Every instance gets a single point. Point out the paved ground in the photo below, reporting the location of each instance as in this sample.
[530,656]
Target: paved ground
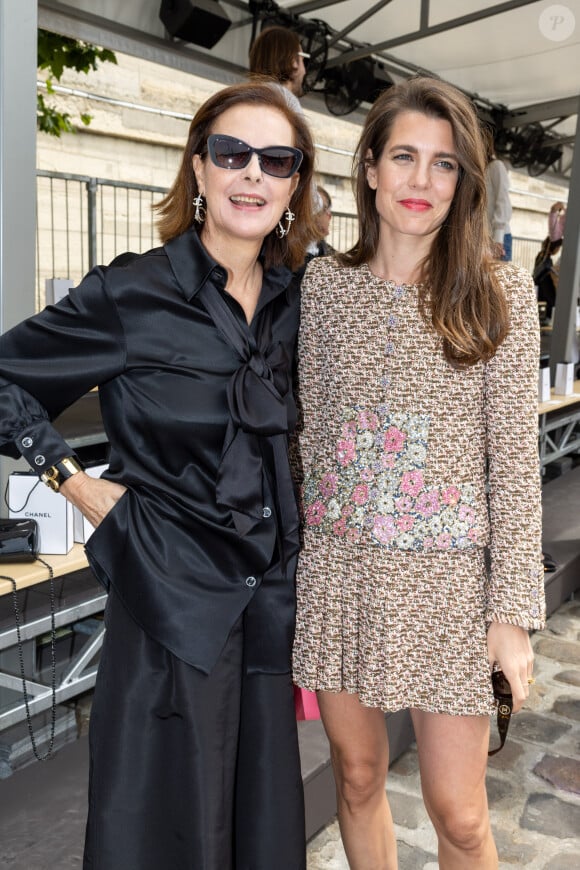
[534,785]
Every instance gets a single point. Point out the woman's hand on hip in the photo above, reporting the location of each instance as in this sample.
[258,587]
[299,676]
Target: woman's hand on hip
[509,647]
[94,497]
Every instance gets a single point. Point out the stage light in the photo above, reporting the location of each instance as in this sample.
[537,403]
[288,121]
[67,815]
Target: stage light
[202,22]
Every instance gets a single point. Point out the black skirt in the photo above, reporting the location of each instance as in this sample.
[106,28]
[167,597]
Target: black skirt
[190,771]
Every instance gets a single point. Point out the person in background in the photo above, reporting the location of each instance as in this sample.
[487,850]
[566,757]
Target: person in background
[277,54]
[547,262]
[322,248]
[417,361]
[499,207]
[193,742]
[323,215]
[557,222]
[546,274]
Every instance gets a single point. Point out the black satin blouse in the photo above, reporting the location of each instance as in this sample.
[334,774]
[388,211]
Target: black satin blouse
[197,422]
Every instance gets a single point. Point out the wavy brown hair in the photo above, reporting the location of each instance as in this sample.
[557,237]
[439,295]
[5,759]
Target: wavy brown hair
[176,209]
[460,294]
[273,53]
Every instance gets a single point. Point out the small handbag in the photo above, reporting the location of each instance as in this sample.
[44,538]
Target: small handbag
[504,703]
[18,540]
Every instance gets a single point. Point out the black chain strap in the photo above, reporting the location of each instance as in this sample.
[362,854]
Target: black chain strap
[20,509]
[11,580]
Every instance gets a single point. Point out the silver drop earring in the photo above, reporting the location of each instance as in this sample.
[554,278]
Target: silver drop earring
[199,215]
[281,231]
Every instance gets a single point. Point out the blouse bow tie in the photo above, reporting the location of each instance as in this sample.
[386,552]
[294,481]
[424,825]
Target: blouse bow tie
[260,404]
[257,392]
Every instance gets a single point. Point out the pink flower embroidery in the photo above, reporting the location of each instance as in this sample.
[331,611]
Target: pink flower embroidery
[428,543]
[388,460]
[405,523]
[367,474]
[349,430]
[345,451]
[451,495]
[368,420]
[315,513]
[473,535]
[466,513]
[427,503]
[328,484]
[347,511]
[384,529]
[394,440]
[339,528]
[403,504]
[360,494]
[412,482]
[444,541]
[353,535]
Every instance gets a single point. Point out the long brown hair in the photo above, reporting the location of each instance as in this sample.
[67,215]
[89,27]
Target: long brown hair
[177,209]
[460,293]
[274,52]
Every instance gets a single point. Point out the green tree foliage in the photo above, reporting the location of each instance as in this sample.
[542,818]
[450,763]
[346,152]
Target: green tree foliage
[55,54]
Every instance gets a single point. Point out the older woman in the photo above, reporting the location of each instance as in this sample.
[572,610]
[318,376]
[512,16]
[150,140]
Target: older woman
[418,370]
[194,758]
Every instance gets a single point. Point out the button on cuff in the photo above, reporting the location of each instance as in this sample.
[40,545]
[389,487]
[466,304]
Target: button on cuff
[41,445]
[266,513]
[251,582]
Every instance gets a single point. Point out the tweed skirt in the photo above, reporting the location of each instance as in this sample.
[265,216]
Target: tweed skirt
[399,628]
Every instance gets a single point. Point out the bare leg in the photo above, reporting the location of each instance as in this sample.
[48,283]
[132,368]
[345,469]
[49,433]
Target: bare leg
[360,759]
[453,761]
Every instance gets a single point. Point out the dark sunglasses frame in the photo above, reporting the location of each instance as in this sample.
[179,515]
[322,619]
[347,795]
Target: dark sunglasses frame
[503,695]
[271,151]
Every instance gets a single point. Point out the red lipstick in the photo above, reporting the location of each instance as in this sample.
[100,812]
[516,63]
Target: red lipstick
[415,204]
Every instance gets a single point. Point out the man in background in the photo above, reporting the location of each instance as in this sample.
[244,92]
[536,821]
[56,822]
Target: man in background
[499,207]
[277,54]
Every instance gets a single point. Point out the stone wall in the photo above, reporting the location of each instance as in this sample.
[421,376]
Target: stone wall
[130,143]
[139,127]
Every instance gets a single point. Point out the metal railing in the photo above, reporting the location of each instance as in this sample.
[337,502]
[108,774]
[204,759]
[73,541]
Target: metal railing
[83,221]
[524,251]
[343,230]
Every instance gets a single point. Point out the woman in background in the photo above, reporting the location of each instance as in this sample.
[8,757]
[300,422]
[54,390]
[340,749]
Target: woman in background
[547,262]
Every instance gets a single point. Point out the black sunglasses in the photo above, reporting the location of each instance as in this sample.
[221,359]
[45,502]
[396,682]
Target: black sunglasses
[503,696]
[281,161]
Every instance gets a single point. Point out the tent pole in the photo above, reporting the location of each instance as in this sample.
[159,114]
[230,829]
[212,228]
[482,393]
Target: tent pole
[564,343]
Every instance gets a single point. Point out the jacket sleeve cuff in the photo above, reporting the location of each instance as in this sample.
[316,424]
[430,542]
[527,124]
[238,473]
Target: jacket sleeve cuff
[533,619]
[41,445]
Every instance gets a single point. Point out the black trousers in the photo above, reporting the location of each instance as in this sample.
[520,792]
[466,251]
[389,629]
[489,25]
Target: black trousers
[189,771]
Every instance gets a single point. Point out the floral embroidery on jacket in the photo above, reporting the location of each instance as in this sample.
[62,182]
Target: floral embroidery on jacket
[377,487]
